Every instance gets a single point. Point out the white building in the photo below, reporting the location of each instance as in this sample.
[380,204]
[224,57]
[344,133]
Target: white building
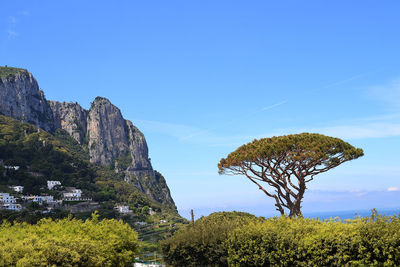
[51,184]
[151,212]
[123,209]
[73,194]
[17,188]
[12,206]
[15,168]
[149,264]
[41,199]
[6,198]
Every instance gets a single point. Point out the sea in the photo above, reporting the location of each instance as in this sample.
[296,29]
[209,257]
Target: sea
[350,214]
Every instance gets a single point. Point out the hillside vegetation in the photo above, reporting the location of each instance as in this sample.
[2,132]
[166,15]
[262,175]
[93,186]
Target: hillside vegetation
[204,243]
[68,242]
[223,239]
[42,157]
[6,71]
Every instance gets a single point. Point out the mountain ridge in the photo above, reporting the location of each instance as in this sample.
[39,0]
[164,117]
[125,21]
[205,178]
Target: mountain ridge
[109,139]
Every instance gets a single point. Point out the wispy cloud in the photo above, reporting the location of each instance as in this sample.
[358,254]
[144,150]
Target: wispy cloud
[389,93]
[363,131]
[171,129]
[12,20]
[245,116]
[24,13]
[378,126]
[184,133]
[347,80]
[12,34]
[393,189]
[12,24]
[181,132]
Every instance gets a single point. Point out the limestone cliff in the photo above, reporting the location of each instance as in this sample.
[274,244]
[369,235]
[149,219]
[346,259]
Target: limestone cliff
[21,98]
[71,117]
[110,139]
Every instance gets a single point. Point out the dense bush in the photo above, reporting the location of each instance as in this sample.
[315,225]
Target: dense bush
[203,244]
[68,242]
[371,241]
[240,239]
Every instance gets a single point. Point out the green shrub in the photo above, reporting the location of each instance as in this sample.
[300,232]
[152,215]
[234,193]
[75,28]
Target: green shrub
[203,244]
[370,241]
[68,242]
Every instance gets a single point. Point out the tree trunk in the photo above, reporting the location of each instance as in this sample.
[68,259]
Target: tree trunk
[295,208]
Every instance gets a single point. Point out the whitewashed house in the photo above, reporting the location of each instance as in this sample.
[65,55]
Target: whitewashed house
[72,194]
[123,209]
[51,184]
[15,168]
[6,198]
[41,199]
[148,264]
[17,188]
[12,206]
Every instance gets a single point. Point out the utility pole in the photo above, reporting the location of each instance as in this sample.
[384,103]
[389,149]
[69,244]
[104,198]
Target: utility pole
[192,214]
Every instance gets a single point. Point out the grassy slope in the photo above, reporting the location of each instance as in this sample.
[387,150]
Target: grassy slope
[6,71]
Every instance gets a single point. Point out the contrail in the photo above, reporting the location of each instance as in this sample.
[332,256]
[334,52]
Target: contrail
[355,77]
[233,121]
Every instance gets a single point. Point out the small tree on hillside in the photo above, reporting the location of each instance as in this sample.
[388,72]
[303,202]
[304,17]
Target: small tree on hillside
[287,163]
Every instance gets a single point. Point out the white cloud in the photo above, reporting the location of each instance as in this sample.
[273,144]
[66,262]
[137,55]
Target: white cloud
[372,130]
[12,34]
[23,13]
[12,20]
[393,189]
[389,93]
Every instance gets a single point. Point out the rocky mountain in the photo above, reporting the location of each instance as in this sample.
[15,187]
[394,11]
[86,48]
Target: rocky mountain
[71,117]
[21,99]
[109,139]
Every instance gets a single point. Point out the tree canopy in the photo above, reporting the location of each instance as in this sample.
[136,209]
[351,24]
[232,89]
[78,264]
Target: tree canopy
[68,242]
[287,163]
[203,244]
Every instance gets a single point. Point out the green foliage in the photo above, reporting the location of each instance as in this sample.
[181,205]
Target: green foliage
[304,148]
[371,241]
[43,157]
[31,217]
[283,163]
[36,151]
[60,158]
[124,161]
[68,242]
[7,71]
[71,144]
[203,244]
[145,210]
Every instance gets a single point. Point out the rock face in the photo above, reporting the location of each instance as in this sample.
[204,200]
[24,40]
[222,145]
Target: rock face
[151,183]
[111,140]
[112,137]
[21,99]
[71,117]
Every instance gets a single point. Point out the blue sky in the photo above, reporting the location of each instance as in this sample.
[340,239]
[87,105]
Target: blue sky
[200,78]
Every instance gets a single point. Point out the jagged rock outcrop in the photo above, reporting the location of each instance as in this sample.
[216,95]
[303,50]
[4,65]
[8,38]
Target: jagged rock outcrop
[111,136]
[71,117]
[114,141]
[21,99]
[152,183]
[110,139]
